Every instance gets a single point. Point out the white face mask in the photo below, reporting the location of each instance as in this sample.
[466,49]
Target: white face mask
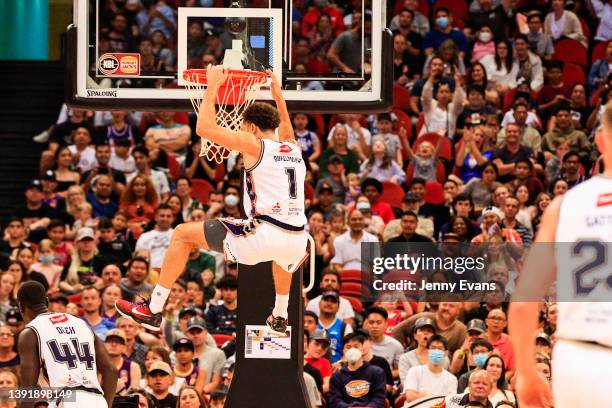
[353,355]
[231,200]
[485,36]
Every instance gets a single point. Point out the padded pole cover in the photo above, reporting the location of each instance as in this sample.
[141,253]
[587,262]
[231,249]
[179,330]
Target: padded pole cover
[266,382]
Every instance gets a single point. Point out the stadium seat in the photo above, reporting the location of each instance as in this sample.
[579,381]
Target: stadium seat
[401,98]
[568,50]
[404,120]
[350,275]
[586,31]
[599,51]
[174,167]
[353,289]
[309,191]
[355,303]
[219,172]
[200,190]
[509,98]
[420,122]
[573,74]
[432,137]
[221,339]
[434,192]
[392,194]
[400,401]
[596,95]
[459,9]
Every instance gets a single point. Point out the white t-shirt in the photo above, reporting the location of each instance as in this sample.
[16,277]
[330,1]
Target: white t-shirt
[389,349]
[348,251]
[87,160]
[421,379]
[126,166]
[156,242]
[345,310]
[409,360]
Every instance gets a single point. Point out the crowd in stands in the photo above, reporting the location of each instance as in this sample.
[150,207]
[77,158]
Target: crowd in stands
[496,112]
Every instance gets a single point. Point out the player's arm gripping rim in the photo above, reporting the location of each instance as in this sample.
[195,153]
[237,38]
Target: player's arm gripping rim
[107,370]
[285,129]
[539,273]
[207,126]
[30,362]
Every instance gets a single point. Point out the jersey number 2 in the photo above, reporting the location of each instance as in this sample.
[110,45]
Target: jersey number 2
[600,250]
[66,353]
[290,172]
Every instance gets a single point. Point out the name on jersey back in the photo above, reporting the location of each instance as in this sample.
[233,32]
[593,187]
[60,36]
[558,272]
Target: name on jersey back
[598,220]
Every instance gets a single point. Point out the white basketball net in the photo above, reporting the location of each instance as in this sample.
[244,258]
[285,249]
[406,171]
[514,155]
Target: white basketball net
[237,87]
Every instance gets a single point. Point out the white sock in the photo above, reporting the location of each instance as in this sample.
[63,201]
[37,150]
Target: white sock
[158,298]
[280,306]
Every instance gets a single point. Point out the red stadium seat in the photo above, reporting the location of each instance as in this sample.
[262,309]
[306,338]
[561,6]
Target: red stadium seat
[459,9]
[432,137]
[219,172]
[393,194]
[221,339]
[350,275]
[400,401]
[355,303]
[420,122]
[434,192]
[309,191]
[401,98]
[568,50]
[174,167]
[573,74]
[585,29]
[404,120]
[353,289]
[596,95]
[509,98]
[599,51]
[200,190]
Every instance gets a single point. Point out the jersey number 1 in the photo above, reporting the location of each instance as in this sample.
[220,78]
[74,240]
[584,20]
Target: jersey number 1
[65,354]
[290,172]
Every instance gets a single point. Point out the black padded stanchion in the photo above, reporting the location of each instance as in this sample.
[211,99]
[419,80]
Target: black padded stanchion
[267,382]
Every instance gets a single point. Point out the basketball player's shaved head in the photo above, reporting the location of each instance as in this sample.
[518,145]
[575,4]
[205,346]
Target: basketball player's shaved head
[32,295]
[262,115]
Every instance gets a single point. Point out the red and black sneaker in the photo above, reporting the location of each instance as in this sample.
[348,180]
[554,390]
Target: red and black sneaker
[140,313]
[277,325]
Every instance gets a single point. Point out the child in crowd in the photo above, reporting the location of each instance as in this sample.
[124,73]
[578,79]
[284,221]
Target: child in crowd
[121,159]
[392,141]
[425,160]
[84,217]
[45,265]
[354,188]
[83,155]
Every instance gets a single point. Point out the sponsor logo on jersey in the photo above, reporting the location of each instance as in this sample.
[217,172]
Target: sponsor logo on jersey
[287,159]
[604,200]
[284,148]
[357,388]
[277,208]
[58,319]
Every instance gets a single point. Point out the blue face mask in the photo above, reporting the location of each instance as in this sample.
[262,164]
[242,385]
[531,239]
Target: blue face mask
[442,22]
[436,356]
[46,259]
[480,359]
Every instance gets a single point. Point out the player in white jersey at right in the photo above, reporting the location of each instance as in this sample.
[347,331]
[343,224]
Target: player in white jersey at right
[273,201]
[60,351]
[575,232]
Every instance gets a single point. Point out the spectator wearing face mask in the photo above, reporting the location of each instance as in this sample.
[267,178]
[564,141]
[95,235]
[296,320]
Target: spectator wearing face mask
[358,383]
[480,350]
[231,202]
[431,378]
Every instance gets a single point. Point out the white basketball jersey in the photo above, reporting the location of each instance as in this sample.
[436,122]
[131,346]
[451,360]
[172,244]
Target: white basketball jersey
[66,349]
[584,260]
[274,186]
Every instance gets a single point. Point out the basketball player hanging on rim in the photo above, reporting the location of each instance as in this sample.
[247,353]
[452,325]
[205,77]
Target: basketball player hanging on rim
[274,201]
[65,351]
[573,251]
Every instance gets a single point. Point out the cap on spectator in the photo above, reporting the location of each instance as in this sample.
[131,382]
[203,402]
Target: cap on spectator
[544,337]
[183,342]
[335,158]
[476,325]
[493,210]
[35,184]
[196,311]
[320,335]
[85,233]
[49,175]
[424,322]
[116,333]
[410,196]
[160,366]
[59,298]
[326,187]
[330,294]
[13,316]
[196,322]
